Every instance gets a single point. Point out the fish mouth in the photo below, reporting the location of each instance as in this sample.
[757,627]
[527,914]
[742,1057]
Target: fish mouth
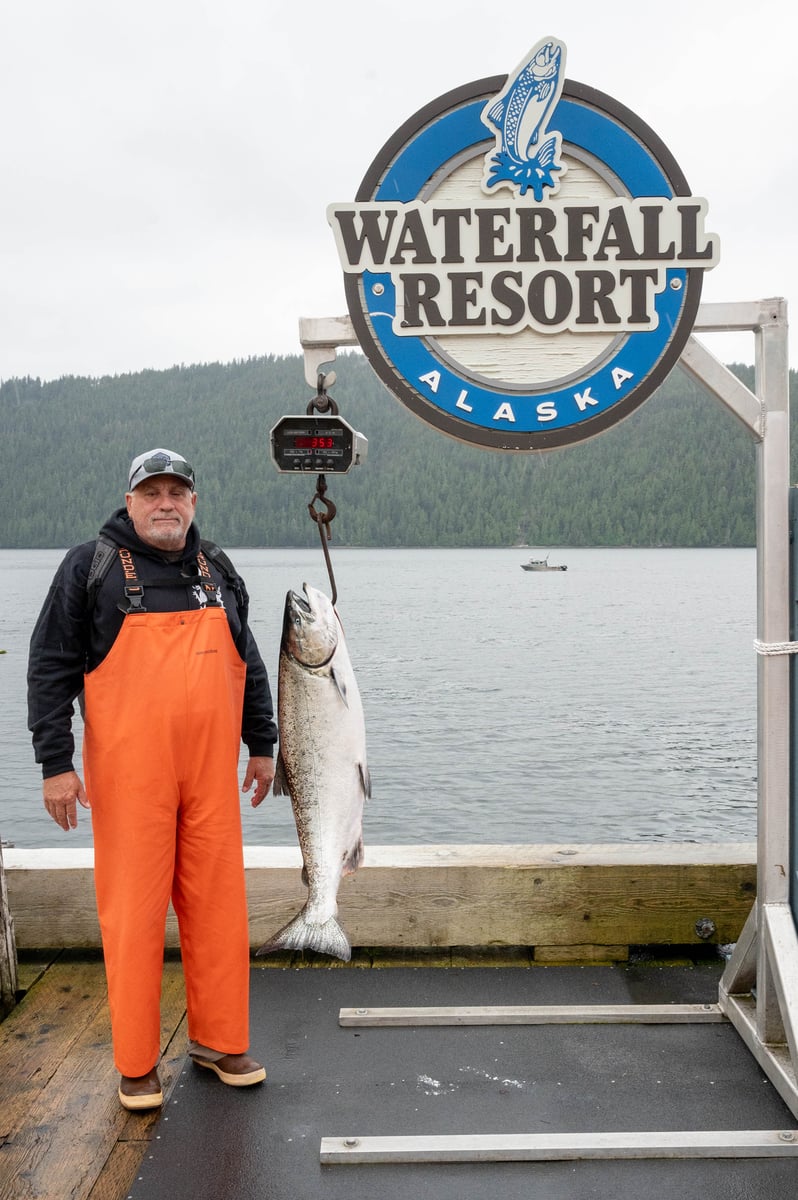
[547,54]
[546,62]
[297,607]
[300,599]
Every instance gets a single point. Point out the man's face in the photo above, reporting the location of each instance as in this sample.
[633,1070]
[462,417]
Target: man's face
[162,509]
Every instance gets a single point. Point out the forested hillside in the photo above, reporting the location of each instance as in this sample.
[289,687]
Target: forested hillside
[680,471]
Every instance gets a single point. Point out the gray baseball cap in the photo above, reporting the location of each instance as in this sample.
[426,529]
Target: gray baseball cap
[159,462]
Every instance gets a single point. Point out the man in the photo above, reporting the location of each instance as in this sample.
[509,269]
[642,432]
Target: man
[172,682]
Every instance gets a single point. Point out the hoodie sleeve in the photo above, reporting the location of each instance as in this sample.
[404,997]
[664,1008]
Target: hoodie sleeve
[258,728]
[56,663]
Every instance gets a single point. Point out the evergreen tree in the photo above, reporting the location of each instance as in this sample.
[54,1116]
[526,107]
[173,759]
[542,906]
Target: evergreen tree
[678,472]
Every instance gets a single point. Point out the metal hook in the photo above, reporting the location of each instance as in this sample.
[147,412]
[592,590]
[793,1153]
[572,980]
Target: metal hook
[323,520]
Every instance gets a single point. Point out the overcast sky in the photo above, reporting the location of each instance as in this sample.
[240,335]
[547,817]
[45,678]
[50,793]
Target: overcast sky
[166,164]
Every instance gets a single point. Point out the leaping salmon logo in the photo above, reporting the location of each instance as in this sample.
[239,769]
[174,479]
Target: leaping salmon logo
[526,154]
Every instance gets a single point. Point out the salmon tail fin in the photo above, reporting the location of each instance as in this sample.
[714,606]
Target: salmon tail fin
[302,934]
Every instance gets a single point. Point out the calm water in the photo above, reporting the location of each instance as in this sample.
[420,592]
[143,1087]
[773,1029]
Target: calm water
[615,701]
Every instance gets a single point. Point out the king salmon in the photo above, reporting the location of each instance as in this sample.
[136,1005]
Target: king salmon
[321,765]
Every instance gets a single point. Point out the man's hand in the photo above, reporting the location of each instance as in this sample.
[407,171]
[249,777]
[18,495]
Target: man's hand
[260,771]
[61,794]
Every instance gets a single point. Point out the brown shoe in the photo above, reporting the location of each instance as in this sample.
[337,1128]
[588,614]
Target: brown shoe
[237,1070]
[141,1091]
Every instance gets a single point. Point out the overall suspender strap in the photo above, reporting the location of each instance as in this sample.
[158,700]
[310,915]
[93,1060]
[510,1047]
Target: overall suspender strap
[206,581]
[133,589]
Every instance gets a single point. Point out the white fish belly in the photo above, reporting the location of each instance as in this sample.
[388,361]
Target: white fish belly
[323,745]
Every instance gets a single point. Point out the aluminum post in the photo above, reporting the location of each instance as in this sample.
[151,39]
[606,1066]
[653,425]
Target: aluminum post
[773,627]
[794,705]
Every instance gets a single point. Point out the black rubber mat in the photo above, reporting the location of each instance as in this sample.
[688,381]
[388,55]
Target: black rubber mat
[222,1143]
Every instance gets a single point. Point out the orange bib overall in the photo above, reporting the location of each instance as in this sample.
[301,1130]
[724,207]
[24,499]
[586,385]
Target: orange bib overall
[161,747]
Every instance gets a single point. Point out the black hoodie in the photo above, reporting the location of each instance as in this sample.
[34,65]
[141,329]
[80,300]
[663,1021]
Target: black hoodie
[69,640]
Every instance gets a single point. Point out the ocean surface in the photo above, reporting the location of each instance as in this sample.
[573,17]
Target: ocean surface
[614,701]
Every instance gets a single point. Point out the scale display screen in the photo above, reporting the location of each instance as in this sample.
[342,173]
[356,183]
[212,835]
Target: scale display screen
[316,443]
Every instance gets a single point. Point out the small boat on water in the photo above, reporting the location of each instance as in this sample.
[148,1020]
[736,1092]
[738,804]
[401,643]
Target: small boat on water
[542,564]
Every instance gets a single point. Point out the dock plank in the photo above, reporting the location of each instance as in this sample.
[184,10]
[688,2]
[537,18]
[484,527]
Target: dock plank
[63,1127]
[32,965]
[40,1034]
[566,897]
[119,1172]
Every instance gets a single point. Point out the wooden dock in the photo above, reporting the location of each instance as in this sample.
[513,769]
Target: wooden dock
[63,1133]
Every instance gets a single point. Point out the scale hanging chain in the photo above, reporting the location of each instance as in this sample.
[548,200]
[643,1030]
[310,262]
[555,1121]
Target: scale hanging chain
[323,403]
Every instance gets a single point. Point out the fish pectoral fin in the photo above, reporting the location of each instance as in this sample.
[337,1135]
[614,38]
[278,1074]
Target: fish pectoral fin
[365,779]
[547,152]
[341,685]
[354,859]
[280,784]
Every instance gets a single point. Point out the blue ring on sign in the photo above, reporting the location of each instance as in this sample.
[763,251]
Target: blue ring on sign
[413,358]
[452,134]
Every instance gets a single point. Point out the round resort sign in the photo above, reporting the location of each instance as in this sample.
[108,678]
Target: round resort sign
[523,261]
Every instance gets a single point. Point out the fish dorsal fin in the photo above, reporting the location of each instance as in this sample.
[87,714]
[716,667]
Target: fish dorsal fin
[497,112]
[341,685]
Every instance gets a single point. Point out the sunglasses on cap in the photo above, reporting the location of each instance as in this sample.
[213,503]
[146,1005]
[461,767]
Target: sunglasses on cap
[163,464]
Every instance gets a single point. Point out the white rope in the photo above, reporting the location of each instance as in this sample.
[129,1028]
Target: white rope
[776,647]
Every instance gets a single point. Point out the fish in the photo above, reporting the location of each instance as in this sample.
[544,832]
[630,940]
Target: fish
[518,115]
[519,111]
[321,765]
